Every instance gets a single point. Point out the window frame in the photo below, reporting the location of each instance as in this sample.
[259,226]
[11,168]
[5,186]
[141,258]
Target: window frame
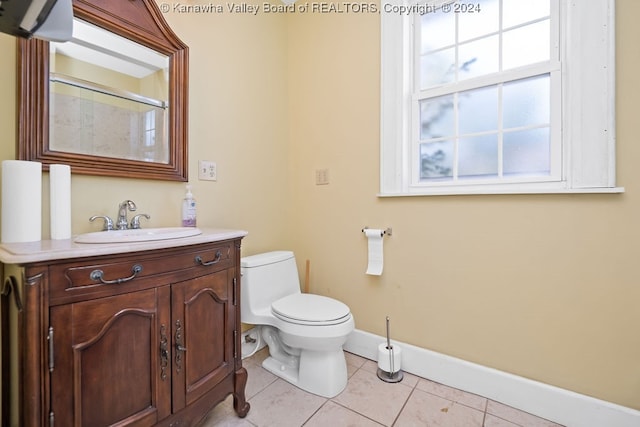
[586,101]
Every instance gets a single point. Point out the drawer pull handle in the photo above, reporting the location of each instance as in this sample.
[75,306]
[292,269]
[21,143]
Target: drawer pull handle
[97,275]
[205,263]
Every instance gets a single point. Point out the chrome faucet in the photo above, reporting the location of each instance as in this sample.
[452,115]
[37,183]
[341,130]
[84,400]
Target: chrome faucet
[122,223]
[135,221]
[108,222]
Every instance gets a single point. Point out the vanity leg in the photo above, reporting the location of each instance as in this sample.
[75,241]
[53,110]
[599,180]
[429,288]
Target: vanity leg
[240,403]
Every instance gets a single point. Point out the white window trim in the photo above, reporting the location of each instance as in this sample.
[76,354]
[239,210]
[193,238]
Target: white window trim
[588,107]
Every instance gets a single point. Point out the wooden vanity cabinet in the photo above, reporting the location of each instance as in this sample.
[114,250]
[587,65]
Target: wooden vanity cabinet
[152,340]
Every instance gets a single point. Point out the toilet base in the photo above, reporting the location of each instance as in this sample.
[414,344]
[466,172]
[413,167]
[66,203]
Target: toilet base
[287,372]
[321,373]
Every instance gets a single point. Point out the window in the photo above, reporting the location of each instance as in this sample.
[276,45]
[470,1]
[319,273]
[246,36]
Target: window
[496,96]
[153,129]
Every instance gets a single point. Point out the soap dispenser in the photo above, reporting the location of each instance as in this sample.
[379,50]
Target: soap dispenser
[189,209]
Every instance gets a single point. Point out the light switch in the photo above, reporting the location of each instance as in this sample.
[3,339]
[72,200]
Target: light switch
[322,176]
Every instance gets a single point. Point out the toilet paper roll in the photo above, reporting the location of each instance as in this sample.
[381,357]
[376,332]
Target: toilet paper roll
[386,357]
[376,260]
[21,201]
[60,201]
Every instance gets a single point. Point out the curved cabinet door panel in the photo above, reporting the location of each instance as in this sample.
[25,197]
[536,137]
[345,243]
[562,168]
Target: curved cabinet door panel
[203,324]
[108,355]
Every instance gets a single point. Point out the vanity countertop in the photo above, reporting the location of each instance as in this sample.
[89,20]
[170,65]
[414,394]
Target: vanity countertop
[48,250]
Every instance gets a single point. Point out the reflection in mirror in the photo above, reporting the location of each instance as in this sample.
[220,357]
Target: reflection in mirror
[108,97]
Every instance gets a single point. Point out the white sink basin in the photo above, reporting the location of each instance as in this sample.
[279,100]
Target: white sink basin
[137,235]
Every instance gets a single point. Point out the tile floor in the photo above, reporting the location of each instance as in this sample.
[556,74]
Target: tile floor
[366,401]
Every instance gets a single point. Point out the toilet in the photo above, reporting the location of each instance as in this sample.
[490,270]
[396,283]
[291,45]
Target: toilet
[304,332]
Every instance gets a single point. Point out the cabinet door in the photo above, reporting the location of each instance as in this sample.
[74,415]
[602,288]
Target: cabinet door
[108,364]
[203,335]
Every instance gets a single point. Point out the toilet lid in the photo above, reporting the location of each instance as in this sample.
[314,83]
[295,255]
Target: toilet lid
[309,309]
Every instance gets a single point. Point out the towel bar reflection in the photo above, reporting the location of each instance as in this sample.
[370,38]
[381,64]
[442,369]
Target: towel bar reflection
[388,231]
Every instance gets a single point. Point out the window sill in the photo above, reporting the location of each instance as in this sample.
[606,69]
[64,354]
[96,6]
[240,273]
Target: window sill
[463,191]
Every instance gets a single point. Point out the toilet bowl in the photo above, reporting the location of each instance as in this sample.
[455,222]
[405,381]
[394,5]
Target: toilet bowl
[304,332]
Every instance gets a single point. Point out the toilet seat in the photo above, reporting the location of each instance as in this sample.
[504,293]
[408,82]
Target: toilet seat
[310,309]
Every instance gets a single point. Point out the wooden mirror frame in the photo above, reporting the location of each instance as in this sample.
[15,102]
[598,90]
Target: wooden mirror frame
[140,21]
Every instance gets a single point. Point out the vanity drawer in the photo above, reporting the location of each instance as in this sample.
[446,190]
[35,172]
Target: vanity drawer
[104,276]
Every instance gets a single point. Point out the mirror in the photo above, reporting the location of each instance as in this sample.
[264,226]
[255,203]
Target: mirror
[108,96]
[113,101]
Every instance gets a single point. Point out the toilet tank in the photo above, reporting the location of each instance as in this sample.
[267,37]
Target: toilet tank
[266,278]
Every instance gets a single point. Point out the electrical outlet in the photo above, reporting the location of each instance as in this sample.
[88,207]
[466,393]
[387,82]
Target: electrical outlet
[322,176]
[207,170]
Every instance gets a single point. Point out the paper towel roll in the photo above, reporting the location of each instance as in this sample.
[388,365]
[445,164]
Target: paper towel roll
[60,201]
[21,201]
[374,236]
[385,359]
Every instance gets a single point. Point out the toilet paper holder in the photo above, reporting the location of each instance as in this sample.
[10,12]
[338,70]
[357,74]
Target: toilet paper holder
[388,231]
[391,372]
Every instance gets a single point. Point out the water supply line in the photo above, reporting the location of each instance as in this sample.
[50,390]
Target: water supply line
[254,343]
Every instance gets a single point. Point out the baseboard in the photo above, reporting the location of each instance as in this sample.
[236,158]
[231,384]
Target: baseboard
[553,403]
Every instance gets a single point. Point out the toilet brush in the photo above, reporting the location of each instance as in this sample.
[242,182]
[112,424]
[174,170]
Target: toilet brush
[394,374]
